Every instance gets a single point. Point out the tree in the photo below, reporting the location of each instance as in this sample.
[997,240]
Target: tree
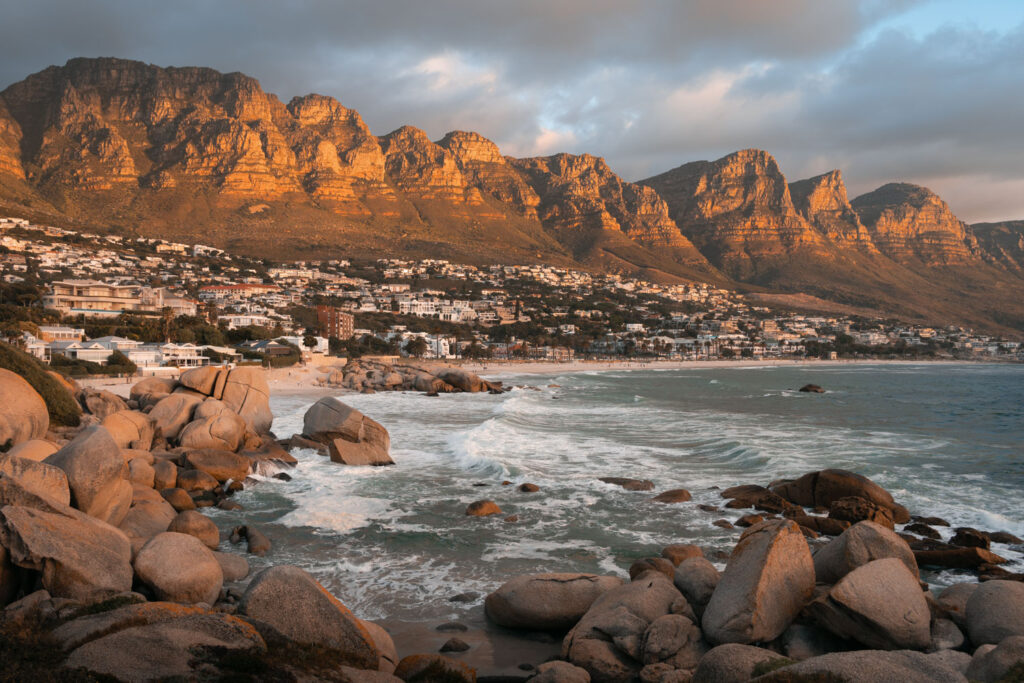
[417,346]
[309,341]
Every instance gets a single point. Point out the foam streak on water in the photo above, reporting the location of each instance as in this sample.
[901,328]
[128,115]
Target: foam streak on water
[394,543]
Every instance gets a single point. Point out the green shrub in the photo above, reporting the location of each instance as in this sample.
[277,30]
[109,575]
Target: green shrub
[63,408]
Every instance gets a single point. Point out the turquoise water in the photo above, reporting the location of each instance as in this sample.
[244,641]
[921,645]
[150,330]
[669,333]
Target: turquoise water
[944,439]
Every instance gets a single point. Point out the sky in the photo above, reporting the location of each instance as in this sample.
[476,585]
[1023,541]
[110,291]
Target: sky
[923,91]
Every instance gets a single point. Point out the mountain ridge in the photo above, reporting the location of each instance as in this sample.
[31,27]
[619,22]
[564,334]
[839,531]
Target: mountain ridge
[189,153]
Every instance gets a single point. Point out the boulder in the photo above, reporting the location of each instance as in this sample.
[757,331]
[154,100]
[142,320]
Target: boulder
[234,567]
[130,429]
[433,669]
[970,538]
[38,478]
[164,650]
[811,389]
[96,474]
[34,449]
[195,481]
[993,665]
[179,568]
[202,380]
[352,437]
[247,393]
[463,380]
[292,602]
[385,646]
[173,412]
[862,543]
[80,557]
[854,509]
[101,403]
[803,641]
[954,660]
[945,636]
[879,604]
[677,553]
[144,521]
[178,499]
[223,431]
[674,640]
[23,413]
[658,565]
[559,672]
[995,611]
[629,484]
[482,508]
[152,386]
[767,581]
[696,579]
[165,474]
[142,473]
[608,640]
[673,496]
[957,558]
[860,666]
[732,663]
[820,489]
[546,602]
[196,524]
[953,599]
[220,464]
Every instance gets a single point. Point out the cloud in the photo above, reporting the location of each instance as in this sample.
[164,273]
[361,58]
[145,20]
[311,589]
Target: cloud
[648,85]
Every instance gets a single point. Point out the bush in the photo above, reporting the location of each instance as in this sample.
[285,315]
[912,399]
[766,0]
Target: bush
[63,408]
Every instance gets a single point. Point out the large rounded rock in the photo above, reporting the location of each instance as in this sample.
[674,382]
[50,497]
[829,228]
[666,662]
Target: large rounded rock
[235,567]
[954,599]
[862,666]
[101,403]
[560,672]
[79,557]
[220,464]
[822,488]
[768,580]
[732,663]
[194,480]
[203,380]
[178,499]
[41,479]
[608,640]
[862,543]
[696,579]
[34,449]
[196,524]
[388,659]
[247,393]
[463,380]
[23,414]
[145,520]
[546,602]
[353,438]
[96,474]
[179,568]
[879,604]
[433,669]
[130,429]
[993,665]
[291,601]
[995,611]
[165,474]
[222,431]
[173,412]
[673,640]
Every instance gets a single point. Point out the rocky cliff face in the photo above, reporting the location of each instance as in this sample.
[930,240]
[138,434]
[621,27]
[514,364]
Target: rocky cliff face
[1001,244]
[10,146]
[911,224]
[822,201]
[738,211]
[484,167]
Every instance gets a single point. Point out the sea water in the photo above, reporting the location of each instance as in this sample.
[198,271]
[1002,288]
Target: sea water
[394,542]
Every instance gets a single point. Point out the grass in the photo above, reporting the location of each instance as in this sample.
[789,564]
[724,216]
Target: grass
[61,405]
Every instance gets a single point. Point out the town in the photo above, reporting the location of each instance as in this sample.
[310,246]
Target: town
[89,303]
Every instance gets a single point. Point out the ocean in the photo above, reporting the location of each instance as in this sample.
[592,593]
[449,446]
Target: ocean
[393,543]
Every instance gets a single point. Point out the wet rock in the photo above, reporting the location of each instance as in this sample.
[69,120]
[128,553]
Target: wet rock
[749,520]
[220,464]
[995,611]
[454,645]
[768,580]
[296,605]
[629,484]
[433,668]
[858,545]
[467,597]
[957,558]
[823,487]
[652,564]
[529,488]
[930,521]
[676,554]
[483,508]
[854,509]
[673,496]
[811,389]
[193,481]
[351,437]
[1004,537]
[879,604]
[922,530]
[178,499]
[198,525]
[970,538]
[546,602]
[449,626]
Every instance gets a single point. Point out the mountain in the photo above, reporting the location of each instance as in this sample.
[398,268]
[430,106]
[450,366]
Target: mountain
[192,154]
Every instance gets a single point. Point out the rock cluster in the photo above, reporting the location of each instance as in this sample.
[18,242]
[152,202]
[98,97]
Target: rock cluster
[368,376]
